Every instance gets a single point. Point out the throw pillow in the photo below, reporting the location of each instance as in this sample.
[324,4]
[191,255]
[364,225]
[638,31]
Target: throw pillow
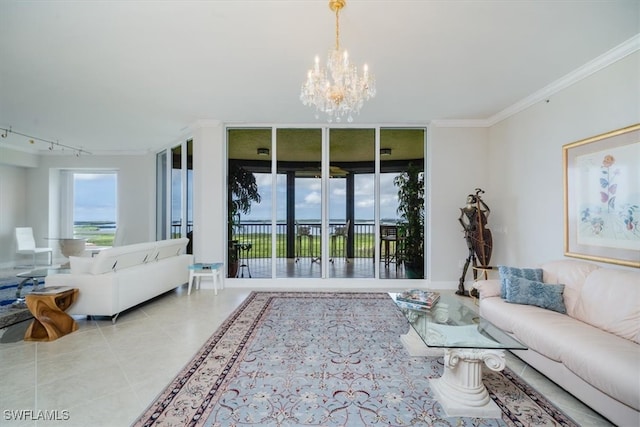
[526,273]
[530,292]
[487,288]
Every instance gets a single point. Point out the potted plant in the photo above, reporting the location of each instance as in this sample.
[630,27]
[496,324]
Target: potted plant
[243,190]
[410,185]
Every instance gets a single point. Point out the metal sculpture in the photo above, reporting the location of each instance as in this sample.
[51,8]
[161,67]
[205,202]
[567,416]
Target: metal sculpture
[473,218]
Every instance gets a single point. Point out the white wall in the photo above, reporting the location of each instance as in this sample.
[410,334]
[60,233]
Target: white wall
[210,194]
[525,165]
[17,158]
[458,162]
[13,210]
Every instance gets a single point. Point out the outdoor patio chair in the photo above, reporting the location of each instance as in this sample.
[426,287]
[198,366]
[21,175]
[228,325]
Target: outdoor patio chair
[340,233]
[303,232]
[389,237]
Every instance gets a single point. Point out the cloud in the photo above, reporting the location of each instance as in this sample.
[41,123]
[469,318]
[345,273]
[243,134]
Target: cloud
[313,198]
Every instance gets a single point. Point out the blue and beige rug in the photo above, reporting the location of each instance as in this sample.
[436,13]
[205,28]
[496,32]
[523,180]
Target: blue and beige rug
[8,314]
[324,359]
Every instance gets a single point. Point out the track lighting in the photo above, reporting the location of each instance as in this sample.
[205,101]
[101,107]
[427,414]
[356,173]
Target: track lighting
[52,144]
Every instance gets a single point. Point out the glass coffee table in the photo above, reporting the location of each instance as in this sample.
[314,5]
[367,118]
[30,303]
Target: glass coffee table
[468,342]
[33,276]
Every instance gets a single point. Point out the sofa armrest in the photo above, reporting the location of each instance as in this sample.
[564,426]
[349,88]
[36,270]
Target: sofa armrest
[488,288]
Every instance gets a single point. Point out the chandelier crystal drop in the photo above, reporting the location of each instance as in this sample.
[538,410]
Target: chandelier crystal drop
[337,90]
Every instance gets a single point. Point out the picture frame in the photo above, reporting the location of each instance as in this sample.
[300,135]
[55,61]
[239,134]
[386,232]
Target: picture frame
[602,197]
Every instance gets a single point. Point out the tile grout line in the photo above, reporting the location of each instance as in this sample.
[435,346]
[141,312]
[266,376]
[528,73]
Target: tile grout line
[35,379]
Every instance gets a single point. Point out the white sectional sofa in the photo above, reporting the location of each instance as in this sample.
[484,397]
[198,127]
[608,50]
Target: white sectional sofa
[592,351]
[121,277]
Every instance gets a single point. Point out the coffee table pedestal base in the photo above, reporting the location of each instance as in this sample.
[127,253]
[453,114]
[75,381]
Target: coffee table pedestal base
[460,390]
[416,347]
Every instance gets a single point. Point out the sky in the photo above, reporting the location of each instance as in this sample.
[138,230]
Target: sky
[94,197]
[308,198]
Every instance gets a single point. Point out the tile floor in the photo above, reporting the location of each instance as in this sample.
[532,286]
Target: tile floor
[106,374]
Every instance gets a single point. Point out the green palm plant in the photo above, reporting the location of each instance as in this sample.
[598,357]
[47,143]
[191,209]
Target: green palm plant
[242,191]
[410,185]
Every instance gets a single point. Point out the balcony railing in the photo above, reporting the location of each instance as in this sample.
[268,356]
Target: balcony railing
[259,234]
[177,225]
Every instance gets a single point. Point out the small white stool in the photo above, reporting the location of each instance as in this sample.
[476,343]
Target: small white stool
[199,270]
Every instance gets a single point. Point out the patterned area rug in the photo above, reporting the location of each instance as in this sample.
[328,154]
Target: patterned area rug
[8,314]
[324,359]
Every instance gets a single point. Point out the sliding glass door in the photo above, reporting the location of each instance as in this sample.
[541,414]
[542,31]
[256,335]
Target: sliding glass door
[401,228]
[319,202]
[351,202]
[249,207]
[299,163]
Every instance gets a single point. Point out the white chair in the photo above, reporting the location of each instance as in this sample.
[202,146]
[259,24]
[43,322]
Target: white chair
[27,245]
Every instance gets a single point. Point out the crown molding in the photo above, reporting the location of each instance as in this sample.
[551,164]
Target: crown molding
[610,57]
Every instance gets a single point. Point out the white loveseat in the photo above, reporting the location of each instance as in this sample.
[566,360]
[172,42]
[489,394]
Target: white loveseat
[121,277]
[593,351]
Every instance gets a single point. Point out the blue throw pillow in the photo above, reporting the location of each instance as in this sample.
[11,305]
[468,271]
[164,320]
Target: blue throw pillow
[526,273]
[530,292]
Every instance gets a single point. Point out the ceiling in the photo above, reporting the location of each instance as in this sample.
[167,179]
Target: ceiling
[114,76]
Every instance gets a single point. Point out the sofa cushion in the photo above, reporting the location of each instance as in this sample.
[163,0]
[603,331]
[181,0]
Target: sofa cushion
[528,323]
[610,301]
[171,247]
[531,292]
[526,273]
[571,274]
[609,363]
[504,315]
[120,257]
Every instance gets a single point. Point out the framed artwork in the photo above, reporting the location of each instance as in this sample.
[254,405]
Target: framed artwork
[602,197]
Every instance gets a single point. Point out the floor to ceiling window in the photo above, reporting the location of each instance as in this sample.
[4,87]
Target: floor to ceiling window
[402,208]
[323,202]
[249,205]
[351,202]
[89,206]
[174,192]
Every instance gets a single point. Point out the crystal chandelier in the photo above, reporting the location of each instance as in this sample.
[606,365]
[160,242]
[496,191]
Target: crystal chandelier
[337,90]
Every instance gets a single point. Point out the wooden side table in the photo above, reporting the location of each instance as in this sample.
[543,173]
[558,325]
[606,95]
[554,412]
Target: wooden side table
[48,306]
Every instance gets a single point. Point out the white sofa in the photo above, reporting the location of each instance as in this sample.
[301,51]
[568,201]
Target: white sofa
[121,277]
[593,351]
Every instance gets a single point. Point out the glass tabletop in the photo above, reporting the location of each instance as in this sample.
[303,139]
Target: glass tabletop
[42,272]
[450,323]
